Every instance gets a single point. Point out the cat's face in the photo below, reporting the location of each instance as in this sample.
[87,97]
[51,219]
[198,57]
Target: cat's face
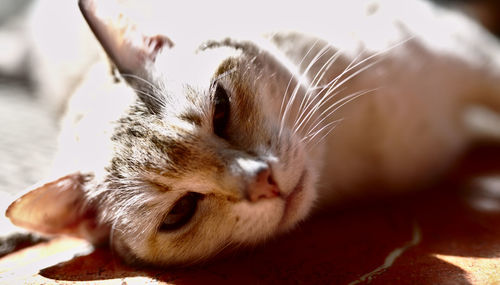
[209,169]
[206,157]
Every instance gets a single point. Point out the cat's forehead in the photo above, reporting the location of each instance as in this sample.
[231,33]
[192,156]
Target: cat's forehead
[195,67]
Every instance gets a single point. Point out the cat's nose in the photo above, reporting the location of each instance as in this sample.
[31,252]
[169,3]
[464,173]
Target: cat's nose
[263,186]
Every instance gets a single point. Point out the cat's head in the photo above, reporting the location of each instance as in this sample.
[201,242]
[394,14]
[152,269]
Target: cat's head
[203,160]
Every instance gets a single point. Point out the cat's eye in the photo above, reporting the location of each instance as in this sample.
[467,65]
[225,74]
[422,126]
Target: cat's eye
[221,110]
[181,213]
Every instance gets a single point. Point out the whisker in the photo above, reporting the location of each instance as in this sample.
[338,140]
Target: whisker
[347,79]
[282,115]
[336,106]
[313,86]
[325,99]
[306,71]
[150,84]
[157,99]
[325,68]
[303,78]
[312,135]
[349,67]
[323,137]
[313,110]
[223,75]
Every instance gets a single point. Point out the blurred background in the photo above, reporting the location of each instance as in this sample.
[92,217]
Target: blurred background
[35,78]
[27,129]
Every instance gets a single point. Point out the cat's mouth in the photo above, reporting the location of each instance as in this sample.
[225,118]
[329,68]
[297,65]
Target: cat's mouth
[291,201]
[298,188]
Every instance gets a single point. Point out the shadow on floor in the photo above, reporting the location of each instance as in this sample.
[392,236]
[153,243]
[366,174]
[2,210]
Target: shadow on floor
[341,246]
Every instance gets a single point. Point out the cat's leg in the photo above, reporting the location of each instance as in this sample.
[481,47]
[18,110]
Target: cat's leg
[482,123]
[481,78]
[481,120]
[481,112]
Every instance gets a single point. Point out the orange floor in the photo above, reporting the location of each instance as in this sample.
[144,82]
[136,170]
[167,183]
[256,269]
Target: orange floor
[432,237]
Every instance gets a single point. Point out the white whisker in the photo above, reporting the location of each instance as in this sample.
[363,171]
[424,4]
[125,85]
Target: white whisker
[349,67]
[332,87]
[313,110]
[323,137]
[314,85]
[157,99]
[306,71]
[133,76]
[325,99]
[324,69]
[285,95]
[327,113]
[312,135]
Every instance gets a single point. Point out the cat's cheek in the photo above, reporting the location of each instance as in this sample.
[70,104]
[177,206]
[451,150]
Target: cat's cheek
[298,206]
[205,236]
[258,221]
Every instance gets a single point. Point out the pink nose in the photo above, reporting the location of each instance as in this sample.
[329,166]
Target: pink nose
[263,186]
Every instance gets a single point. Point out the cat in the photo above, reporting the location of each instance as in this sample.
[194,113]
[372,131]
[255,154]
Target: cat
[184,148]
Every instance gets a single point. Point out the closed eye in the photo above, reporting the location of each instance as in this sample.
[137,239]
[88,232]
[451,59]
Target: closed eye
[181,213]
[222,108]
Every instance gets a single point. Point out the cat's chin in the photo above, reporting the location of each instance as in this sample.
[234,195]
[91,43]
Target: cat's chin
[297,203]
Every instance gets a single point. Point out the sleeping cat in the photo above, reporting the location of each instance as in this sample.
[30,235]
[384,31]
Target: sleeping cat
[185,148]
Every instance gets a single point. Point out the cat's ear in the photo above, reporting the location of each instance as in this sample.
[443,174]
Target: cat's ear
[132,51]
[58,207]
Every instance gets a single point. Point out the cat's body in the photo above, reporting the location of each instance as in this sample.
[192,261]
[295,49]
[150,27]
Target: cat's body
[403,139]
[201,147]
